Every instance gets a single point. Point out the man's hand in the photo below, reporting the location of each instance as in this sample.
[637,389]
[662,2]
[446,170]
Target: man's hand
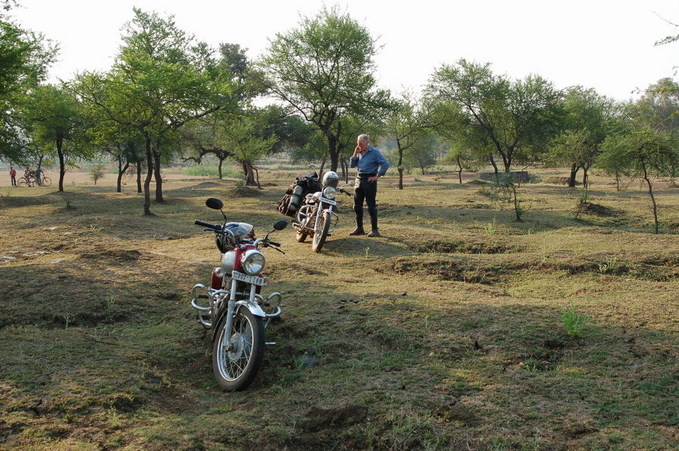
[373,178]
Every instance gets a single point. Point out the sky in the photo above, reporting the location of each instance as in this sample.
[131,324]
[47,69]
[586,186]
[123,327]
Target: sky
[608,45]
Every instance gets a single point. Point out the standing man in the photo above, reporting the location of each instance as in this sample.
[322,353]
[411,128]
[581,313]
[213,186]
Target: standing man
[13,175]
[371,166]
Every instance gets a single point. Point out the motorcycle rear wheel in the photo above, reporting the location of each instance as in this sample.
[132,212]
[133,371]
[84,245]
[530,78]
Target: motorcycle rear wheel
[237,367]
[322,232]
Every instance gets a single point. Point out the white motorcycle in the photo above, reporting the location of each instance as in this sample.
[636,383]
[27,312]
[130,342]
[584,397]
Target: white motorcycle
[317,217]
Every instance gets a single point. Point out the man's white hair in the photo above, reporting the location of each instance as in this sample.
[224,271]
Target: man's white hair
[364,137]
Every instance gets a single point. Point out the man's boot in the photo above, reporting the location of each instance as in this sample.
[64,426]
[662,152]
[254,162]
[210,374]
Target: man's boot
[373,222]
[359,228]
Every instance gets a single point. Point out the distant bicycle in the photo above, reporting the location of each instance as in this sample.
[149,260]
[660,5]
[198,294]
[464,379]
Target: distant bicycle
[30,181]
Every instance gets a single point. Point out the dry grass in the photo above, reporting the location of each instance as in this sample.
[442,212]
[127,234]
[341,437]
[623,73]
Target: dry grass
[446,333]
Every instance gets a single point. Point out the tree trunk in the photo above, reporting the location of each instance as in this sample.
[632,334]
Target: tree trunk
[158,177]
[517,205]
[332,151]
[147,181]
[62,163]
[585,177]
[345,170]
[459,165]
[654,204]
[497,171]
[249,174]
[571,179]
[219,168]
[399,165]
[139,189]
[121,172]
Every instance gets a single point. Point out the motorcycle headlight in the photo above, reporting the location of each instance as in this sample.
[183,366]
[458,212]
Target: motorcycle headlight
[329,192]
[252,262]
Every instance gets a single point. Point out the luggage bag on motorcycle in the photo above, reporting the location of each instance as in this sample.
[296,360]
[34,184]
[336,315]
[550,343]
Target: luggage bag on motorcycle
[296,192]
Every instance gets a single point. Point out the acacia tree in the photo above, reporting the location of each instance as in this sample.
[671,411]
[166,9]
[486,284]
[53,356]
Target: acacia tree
[661,104]
[162,80]
[239,136]
[516,117]
[324,71]
[587,120]
[201,138]
[24,60]
[642,148]
[56,120]
[407,124]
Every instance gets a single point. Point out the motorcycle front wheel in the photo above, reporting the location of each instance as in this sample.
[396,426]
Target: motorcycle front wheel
[321,232]
[236,366]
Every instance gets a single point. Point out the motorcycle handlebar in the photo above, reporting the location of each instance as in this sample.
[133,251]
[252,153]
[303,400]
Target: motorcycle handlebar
[216,227]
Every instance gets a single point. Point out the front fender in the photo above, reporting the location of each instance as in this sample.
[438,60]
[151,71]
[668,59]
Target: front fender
[254,308]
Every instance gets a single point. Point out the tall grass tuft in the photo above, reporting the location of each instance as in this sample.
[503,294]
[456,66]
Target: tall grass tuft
[574,321]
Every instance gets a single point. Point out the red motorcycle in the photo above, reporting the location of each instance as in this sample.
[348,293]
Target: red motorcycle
[233,306]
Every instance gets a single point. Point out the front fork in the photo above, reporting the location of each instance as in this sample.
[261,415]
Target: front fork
[231,309]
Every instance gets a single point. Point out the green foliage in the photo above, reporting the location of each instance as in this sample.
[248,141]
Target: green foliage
[324,70]
[582,204]
[587,120]
[24,60]
[644,146]
[97,170]
[506,190]
[515,119]
[491,228]
[162,79]
[574,321]
[57,126]
[210,170]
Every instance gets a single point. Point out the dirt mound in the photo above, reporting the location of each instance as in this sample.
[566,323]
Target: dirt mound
[596,209]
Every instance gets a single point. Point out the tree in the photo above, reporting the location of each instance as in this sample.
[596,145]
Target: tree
[516,117]
[201,139]
[642,148]
[56,120]
[407,124]
[162,80]
[587,120]
[468,145]
[24,60]
[324,71]
[240,136]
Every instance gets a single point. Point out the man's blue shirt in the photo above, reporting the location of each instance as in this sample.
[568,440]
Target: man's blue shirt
[371,162]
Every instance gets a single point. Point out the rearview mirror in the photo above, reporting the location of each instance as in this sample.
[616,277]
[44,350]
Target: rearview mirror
[280,225]
[214,203]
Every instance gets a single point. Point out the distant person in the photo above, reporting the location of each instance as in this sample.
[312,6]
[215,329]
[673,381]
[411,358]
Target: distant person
[13,175]
[38,176]
[371,166]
